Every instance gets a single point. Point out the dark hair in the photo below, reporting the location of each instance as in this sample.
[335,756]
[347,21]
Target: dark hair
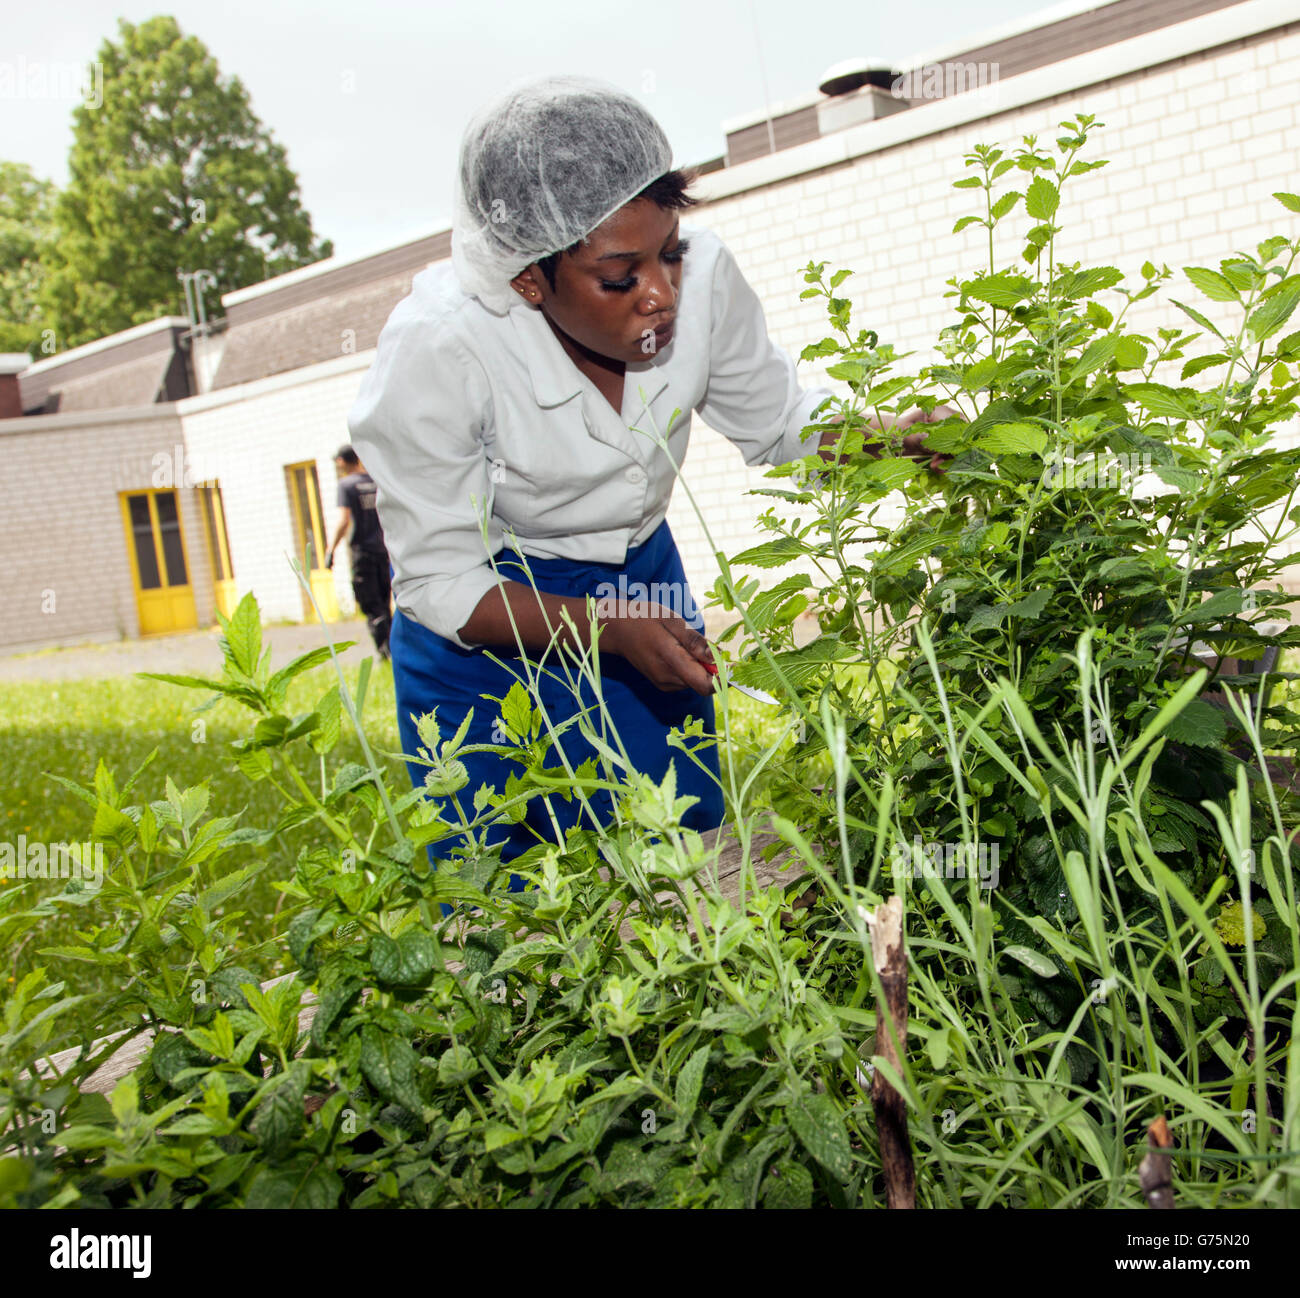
[347,455]
[668,192]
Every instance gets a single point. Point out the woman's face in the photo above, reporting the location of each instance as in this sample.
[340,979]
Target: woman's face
[616,293]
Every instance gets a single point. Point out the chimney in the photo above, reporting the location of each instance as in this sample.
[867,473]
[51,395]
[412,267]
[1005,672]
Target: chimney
[857,90]
[11,401]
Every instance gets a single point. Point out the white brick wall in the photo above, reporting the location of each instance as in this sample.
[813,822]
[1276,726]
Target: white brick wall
[65,575]
[1196,147]
[251,441]
[60,522]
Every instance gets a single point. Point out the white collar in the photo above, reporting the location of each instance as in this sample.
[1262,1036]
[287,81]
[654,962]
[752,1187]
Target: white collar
[555,378]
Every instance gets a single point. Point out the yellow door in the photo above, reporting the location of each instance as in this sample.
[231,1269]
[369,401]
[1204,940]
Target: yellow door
[163,595]
[224,594]
[309,535]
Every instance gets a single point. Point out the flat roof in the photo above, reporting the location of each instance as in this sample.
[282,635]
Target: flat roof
[328,265]
[1233,22]
[1004,31]
[104,344]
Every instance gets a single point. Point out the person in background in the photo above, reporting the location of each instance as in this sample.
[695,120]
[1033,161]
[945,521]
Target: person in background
[372,582]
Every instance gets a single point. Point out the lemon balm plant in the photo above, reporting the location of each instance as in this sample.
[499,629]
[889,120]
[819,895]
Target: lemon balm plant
[1101,479]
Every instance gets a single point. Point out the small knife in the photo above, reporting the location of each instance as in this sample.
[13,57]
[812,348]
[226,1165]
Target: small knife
[761,695]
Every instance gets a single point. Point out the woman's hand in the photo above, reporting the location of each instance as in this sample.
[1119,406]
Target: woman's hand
[656,642]
[914,443]
[914,446]
[668,653]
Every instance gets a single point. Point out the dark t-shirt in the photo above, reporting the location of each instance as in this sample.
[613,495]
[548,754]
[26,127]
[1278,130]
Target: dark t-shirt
[357,493]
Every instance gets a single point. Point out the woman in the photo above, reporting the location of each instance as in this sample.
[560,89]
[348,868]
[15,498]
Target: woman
[517,395]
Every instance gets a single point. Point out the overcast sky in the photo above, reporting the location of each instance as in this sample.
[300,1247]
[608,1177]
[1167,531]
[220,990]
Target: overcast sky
[369,98]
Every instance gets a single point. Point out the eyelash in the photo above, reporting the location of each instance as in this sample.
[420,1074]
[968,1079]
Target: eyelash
[626,285]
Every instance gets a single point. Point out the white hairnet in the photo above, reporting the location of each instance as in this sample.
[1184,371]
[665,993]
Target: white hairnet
[540,168]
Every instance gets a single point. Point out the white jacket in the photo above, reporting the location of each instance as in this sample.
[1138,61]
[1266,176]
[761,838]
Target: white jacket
[466,415]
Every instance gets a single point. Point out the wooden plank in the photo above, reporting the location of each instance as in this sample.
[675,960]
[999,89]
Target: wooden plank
[780,872]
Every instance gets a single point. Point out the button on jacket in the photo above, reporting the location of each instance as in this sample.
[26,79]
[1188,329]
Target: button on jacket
[480,431]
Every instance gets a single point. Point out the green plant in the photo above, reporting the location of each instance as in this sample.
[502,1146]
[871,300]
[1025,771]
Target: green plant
[69,725]
[538,1055]
[1082,493]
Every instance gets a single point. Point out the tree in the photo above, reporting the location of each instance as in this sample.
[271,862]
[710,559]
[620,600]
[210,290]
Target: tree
[173,171]
[26,221]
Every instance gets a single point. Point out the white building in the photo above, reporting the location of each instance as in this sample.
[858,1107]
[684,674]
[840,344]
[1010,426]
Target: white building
[105,530]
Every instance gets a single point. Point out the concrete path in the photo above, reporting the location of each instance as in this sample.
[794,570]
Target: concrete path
[191,653]
[195,653]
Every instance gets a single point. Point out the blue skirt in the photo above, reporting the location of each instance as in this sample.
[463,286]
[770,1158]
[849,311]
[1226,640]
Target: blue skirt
[431,672]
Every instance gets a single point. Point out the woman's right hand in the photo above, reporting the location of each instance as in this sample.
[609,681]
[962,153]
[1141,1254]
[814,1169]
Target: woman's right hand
[668,653]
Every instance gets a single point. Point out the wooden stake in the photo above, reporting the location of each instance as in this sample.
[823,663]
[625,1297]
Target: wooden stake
[887,954]
[1155,1172]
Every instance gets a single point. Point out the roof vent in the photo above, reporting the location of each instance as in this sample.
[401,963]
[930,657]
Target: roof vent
[857,91]
[853,74]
